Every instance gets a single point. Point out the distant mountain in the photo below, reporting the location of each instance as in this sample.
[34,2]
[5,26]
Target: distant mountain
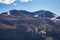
[19,12]
[46,14]
[24,25]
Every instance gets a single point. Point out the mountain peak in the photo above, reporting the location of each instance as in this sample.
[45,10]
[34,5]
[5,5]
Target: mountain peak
[18,12]
[43,13]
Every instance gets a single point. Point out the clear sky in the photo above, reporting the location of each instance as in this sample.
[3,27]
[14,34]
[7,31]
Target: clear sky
[31,5]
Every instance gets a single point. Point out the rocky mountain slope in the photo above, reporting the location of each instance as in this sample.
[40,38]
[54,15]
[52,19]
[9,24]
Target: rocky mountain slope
[24,25]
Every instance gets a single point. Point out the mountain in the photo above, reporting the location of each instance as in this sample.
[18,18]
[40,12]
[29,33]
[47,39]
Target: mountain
[43,13]
[24,25]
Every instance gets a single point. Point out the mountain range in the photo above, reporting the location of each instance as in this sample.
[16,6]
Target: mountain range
[24,25]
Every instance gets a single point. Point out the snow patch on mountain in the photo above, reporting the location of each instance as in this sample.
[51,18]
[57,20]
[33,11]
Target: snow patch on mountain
[36,15]
[54,18]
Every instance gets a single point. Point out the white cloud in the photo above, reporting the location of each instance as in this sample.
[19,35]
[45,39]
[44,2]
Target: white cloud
[12,1]
[25,0]
[7,1]
[1,0]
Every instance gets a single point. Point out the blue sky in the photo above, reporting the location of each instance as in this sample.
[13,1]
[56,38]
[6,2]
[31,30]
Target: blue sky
[31,5]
